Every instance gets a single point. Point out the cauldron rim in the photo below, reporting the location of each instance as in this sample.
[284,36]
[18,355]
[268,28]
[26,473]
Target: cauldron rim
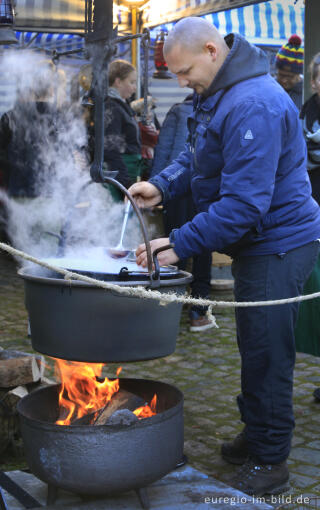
[179,278]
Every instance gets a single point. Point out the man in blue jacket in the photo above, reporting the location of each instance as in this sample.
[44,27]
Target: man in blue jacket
[245,164]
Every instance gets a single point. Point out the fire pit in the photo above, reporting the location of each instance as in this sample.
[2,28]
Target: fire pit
[103,459]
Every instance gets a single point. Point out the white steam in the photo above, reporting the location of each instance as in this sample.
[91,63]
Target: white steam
[64,200]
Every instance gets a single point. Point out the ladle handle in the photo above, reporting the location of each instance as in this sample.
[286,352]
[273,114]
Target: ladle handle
[110,180]
[124,223]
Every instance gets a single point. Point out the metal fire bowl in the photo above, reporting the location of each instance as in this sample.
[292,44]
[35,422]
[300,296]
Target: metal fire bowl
[100,460]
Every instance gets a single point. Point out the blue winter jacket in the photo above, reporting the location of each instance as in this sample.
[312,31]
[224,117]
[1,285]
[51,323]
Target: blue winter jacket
[245,163]
[173,135]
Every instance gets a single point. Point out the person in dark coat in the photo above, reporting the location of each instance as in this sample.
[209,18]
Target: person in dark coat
[122,145]
[289,66]
[22,149]
[245,163]
[310,115]
[308,327]
[172,139]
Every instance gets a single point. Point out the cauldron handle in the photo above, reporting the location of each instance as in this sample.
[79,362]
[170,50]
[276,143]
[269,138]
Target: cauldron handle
[156,272]
[110,180]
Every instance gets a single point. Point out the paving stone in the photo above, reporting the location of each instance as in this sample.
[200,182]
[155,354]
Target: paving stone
[306,454]
[314,444]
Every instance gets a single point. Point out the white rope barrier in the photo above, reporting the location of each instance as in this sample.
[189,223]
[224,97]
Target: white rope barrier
[162,297]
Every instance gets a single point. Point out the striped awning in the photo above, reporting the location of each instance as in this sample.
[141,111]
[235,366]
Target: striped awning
[267,23]
[63,16]
[50,41]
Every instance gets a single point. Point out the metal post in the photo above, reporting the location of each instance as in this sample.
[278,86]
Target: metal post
[311,40]
[134,41]
[100,41]
[138,67]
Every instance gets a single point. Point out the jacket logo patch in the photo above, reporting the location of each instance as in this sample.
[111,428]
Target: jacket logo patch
[248,135]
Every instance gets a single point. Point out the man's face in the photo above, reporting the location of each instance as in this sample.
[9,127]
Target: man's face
[193,69]
[287,79]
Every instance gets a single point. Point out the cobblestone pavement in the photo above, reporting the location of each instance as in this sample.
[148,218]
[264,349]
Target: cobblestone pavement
[206,367]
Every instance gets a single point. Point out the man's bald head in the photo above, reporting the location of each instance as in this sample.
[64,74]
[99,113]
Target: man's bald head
[192,34]
[195,51]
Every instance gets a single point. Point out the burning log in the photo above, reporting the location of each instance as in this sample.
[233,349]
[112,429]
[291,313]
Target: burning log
[18,371]
[121,400]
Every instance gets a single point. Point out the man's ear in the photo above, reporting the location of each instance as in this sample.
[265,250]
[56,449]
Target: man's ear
[313,85]
[212,49]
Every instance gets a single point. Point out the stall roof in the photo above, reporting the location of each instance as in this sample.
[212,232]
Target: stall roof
[270,23]
[68,15]
[156,12]
[60,16]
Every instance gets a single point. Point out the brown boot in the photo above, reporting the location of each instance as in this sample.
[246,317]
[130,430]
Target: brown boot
[236,451]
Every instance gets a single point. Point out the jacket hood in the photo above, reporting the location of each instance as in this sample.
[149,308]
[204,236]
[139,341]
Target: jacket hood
[244,61]
[113,92]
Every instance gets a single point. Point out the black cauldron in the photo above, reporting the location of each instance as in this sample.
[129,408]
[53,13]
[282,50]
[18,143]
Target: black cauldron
[79,321]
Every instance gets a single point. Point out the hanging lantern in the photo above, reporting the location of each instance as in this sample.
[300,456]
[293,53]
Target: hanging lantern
[161,71]
[7,35]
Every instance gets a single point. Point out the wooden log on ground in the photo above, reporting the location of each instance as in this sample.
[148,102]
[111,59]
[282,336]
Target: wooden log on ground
[11,354]
[12,397]
[42,383]
[121,400]
[9,421]
[18,371]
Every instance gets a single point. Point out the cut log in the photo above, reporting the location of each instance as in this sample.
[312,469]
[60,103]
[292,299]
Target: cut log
[18,371]
[11,354]
[9,421]
[121,400]
[12,397]
[43,383]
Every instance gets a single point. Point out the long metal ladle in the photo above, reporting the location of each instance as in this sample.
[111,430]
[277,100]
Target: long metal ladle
[119,251]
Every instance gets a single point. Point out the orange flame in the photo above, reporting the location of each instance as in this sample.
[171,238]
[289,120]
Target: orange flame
[147,411]
[81,392]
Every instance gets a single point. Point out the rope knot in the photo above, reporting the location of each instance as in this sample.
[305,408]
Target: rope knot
[211,317]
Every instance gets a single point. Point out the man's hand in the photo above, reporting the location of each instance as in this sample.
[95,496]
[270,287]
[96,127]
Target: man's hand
[165,257]
[145,194]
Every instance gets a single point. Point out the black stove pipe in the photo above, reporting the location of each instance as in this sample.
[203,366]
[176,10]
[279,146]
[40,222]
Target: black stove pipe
[100,44]
[101,40]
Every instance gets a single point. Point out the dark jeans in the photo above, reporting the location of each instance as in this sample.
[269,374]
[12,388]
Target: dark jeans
[315,183]
[267,347]
[201,272]
[176,214]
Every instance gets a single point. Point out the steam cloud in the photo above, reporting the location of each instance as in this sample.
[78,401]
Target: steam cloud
[65,200]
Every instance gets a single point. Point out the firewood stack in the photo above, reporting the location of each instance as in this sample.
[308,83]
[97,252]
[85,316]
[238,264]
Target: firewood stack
[20,372]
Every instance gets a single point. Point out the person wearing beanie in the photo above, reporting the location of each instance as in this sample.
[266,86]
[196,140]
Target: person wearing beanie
[289,65]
